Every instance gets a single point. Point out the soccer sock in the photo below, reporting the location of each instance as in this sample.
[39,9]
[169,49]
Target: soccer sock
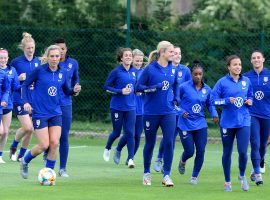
[14,144]
[50,163]
[22,152]
[1,153]
[28,157]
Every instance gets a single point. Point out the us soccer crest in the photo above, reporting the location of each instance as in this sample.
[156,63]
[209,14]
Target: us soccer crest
[244,83]
[38,122]
[10,72]
[265,79]
[204,91]
[69,65]
[180,74]
[60,75]
[115,115]
[147,124]
[173,71]
[36,64]
[133,73]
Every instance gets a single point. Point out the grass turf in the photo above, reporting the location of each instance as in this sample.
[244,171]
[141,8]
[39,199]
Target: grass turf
[93,178]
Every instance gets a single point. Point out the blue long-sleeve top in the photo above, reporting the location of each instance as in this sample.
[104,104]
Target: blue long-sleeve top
[159,84]
[140,96]
[22,65]
[14,84]
[183,74]
[4,88]
[194,101]
[72,68]
[234,115]
[118,79]
[261,89]
[46,95]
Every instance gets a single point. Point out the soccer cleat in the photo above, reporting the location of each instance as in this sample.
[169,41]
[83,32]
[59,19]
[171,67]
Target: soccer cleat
[182,167]
[24,170]
[158,165]
[12,154]
[106,155]
[116,156]
[167,181]
[193,180]
[244,183]
[262,166]
[252,176]
[1,160]
[258,179]
[63,173]
[131,163]
[147,179]
[19,158]
[227,187]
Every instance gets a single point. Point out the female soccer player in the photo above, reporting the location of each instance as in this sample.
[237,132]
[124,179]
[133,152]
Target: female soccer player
[234,93]
[260,113]
[158,81]
[24,65]
[137,64]
[7,111]
[183,74]
[120,83]
[194,96]
[49,80]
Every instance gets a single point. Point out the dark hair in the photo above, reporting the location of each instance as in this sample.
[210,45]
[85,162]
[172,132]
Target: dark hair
[257,51]
[195,65]
[59,41]
[120,53]
[230,58]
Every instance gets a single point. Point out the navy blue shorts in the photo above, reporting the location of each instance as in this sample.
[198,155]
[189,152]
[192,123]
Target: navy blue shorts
[40,123]
[19,110]
[6,111]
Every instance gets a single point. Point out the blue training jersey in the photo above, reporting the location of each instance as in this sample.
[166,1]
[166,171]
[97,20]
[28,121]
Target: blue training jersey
[72,68]
[22,65]
[234,115]
[183,74]
[194,101]
[14,84]
[4,88]
[139,96]
[158,83]
[261,89]
[46,95]
[118,79]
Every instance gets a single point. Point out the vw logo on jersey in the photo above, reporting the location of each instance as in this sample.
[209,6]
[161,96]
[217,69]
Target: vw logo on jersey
[238,102]
[60,75]
[147,124]
[265,79]
[10,72]
[36,64]
[173,71]
[244,83]
[166,85]
[37,122]
[204,91]
[129,86]
[196,108]
[180,74]
[52,91]
[116,115]
[259,95]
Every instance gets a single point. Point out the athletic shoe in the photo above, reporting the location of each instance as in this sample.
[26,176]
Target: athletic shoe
[182,168]
[24,170]
[167,181]
[131,163]
[19,158]
[147,179]
[12,154]
[63,173]
[1,160]
[116,156]
[227,187]
[244,183]
[258,179]
[252,176]
[262,166]
[158,165]
[193,180]
[106,155]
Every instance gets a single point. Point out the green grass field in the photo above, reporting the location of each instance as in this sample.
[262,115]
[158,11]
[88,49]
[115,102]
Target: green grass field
[92,178]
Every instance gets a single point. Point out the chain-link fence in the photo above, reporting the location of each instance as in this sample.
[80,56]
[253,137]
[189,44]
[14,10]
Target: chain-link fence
[95,50]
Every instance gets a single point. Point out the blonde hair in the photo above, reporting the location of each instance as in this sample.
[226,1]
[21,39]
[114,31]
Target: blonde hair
[137,52]
[27,37]
[154,55]
[44,57]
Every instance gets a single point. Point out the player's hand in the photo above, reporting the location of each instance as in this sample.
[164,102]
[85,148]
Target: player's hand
[27,107]
[22,76]
[4,104]
[249,102]
[77,88]
[185,115]
[232,99]
[216,120]
[126,91]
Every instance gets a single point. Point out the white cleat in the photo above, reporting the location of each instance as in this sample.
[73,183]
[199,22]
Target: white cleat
[106,155]
[63,173]
[14,157]
[167,181]
[147,179]
[1,160]
[262,169]
[131,163]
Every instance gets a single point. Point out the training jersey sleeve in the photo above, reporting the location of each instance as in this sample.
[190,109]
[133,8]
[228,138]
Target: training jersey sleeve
[66,87]
[210,107]
[180,93]
[15,85]
[216,96]
[109,84]
[75,75]
[28,81]
[5,89]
